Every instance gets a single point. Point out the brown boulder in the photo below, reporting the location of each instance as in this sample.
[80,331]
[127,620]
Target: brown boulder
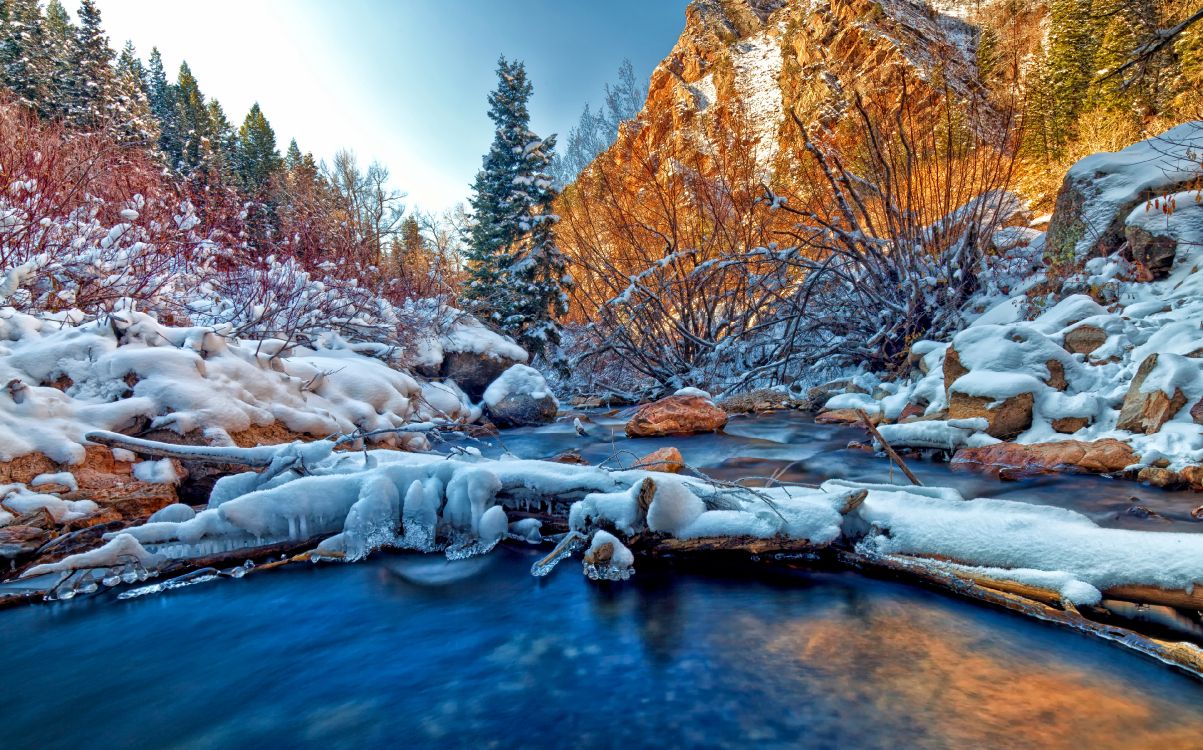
[1005,419]
[1108,456]
[1084,339]
[911,411]
[1056,375]
[1147,412]
[760,400]
[1155,252]
[1192,475]
[668,460]
[1069,425]
[1196,412]
[953,368]
[1159,477]
[845,416]
[676,415]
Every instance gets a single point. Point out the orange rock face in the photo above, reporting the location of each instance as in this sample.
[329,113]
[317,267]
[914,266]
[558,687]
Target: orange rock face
[1005,420]
[668,460]
[1107,456]
[845,416]
[676,415]
[1148,412]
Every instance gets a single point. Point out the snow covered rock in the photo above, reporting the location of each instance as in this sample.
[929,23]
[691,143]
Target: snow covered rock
[1156,230]
[1101,190]
[676,415]
[519,398]
[1147,410]
[1084,339]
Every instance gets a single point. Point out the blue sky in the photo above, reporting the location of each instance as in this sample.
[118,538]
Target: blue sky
[403,82]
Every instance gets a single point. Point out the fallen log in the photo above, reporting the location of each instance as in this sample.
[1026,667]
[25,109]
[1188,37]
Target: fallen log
[258,457]
[1185,656]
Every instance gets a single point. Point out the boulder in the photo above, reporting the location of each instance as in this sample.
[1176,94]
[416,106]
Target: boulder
[520,397]
[668,460]
[1196,412]
[522,410]
[1192,475]
[953,368]
[1155,252]
[1069,425]
[845,416]
[1159,477]
[1084,339]
[760,400]
[676,415]
[1056,375]
[911,411]
[474,372]
[1147,412]
[1005,419]
[1108,456]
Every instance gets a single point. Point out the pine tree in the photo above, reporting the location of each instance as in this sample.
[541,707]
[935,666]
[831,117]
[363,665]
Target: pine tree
[24,68]
[293,157]
[410,253]
[133,122]
[92,85]
[162,105]
[223,143]
[193,125]
[1068,67]
[515,272]
[258,160]
[61,41]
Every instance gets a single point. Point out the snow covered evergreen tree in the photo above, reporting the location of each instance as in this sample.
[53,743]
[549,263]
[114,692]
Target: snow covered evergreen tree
[91,92]
[24,67]
[60,41]
[194,126]
[133,122]
[515,272]
[162,104]
[258,161]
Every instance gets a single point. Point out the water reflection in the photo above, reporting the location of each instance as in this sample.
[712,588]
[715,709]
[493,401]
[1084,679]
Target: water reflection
[357,656]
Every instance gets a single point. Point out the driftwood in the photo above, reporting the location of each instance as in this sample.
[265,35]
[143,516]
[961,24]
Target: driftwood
[250,457]
[889,450]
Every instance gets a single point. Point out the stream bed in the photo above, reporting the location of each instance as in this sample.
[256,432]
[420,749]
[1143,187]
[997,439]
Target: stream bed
[412,651]
[406,651]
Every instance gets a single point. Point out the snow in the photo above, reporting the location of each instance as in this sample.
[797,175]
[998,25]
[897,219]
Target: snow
[673,507]
[121,550]
[1015,536]
[1111,182]
[156,472]
[757,62]
[691,391]
[62,479]
[517,380]
[184,379]
[19,500]
[175,513]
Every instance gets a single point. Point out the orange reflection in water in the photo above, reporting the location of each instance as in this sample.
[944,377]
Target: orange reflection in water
[944,683]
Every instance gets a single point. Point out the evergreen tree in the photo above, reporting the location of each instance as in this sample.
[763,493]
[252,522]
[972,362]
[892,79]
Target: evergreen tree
[258,160]
[133,121]
[193,125]
[162,105]
[223,142]
[24,68]
[1068,67]
[515,272]
[60,39]
[92,83]
[293,157]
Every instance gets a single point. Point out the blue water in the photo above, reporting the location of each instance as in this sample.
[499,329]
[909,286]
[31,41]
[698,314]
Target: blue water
[403,652]
[793,446]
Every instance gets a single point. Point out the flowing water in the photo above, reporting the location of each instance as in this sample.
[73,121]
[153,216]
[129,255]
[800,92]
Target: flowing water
[796,449]
[411,652]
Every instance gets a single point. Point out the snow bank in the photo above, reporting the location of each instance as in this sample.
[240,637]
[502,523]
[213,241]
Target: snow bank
[132,372]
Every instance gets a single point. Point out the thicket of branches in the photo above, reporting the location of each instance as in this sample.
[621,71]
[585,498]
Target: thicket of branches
[700,273]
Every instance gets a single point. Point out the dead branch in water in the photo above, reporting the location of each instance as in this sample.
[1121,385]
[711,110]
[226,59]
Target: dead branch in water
[889,450]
